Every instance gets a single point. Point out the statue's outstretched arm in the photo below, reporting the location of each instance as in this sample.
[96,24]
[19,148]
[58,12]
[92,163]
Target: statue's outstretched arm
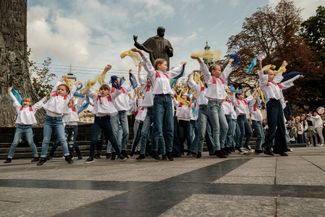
[138,45]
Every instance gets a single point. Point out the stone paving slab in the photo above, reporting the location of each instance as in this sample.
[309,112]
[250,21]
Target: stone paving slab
[300,207]
[202,205]
[227,206]
[255,171]
[103,169]
[266,180]
[40,202]
[298,171]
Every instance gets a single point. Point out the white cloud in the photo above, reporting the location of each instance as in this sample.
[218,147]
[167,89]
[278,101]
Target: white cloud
[308,7]
[65,38]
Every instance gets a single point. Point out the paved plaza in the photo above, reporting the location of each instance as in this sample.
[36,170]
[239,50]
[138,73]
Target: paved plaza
[240,185]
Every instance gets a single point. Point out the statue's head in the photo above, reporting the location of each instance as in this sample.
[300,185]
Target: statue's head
[161,31]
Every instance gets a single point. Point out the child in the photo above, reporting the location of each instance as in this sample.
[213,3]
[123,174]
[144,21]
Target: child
[202,103]
[24,123]
[103,110]
[242,110]
[216,93]
[55,108]
[184,114]
[231,116]
[71,120]
[163,107]
[275,104]
[121,103]
[257,118]
[147,103]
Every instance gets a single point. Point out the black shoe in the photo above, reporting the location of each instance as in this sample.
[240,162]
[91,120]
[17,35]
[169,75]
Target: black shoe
[224,152]
[89,160]
[227,150]
[141,157]
[108,155]
[199,155]
[170,156]
[220,154]
[97,156]
[35,159]
[281,153]
[268,152]
[113,156]
[69,159]
[123,152]
[258,151]
[164,157]
[191,154]
[79,157]
[8,160]
[41,161]
[122,157]
[155,156]
[248,147]
[239,149]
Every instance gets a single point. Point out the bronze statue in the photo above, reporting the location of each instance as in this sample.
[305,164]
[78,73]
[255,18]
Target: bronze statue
[157,46]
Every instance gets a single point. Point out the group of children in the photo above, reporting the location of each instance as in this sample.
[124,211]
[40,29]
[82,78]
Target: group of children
[201,109]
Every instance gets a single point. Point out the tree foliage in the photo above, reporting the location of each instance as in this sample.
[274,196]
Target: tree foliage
[274,32]
[313,30]
[41,77]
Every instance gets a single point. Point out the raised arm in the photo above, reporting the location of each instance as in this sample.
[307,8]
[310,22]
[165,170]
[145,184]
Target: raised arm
[16,103]
[228,69]
[204,69]
[289,83]
[146,63]
[262,77]
[193,85]
[39,104]
[176,71]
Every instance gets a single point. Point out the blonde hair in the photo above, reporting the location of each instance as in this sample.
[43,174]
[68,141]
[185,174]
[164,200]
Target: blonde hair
[158,62]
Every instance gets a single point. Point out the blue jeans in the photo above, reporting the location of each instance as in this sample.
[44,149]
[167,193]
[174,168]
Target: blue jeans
[71,133]
[117,131]
[218,124]
[20,130]
[195,140]
[258,129]
[145,131]
[245,130]
[163,131]
[103,123]
[204,124]
[237,135]
[124,124]
[54,123]
[231,131]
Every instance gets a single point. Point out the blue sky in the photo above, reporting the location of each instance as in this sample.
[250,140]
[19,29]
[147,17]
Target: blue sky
[90,34]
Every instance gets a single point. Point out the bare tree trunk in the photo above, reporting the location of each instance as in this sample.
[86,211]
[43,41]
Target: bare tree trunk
[13,56]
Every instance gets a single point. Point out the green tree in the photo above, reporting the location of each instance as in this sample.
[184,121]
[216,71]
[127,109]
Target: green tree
[313,30]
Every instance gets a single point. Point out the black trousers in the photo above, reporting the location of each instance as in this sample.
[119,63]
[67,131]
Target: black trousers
[276,129]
